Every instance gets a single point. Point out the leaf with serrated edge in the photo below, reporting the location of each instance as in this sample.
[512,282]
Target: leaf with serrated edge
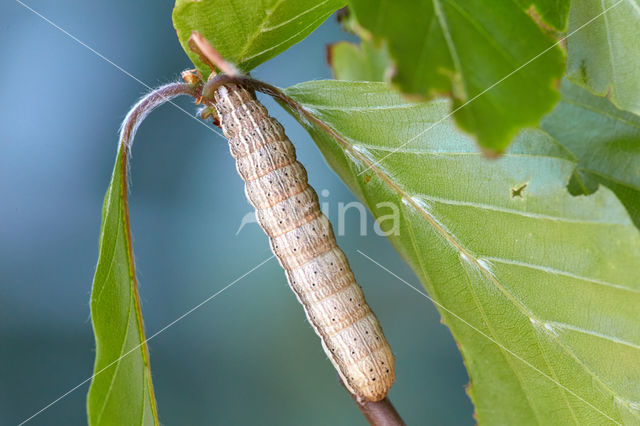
[471,52]
[604,139]
[603,56]
[540,288]
[248,33]
[121,392]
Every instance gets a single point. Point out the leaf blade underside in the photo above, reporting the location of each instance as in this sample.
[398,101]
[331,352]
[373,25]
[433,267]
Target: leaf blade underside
[604,139]
[603,56]
[504,248]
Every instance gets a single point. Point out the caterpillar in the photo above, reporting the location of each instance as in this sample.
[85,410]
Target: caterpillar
[303,241]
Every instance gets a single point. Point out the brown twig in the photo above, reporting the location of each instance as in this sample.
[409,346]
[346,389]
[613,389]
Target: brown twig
[379,413]
[147,104]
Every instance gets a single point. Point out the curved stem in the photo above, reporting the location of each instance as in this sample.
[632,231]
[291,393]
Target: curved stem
[148,103]
[249,83]
[210,86]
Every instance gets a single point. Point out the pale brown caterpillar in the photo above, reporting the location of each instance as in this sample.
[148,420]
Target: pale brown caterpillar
[302,239]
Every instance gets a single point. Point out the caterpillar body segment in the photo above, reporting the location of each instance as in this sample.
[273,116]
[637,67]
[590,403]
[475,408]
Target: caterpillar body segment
[302,239]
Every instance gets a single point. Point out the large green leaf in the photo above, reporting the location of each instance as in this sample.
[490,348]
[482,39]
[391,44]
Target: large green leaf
[604,139]
[121,392]
[472,52]
[248,33]
[603,56]
[354,62]
[541,289]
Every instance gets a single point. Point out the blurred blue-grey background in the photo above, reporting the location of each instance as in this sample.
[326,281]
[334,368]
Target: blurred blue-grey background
[246,357]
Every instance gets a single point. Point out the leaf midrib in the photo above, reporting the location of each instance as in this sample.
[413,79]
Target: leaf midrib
[260,29]
[275,46]
[533,215]
[609,177]
[600,112]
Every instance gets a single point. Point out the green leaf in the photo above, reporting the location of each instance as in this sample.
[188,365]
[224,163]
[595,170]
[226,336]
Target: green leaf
[553,12]
[603,55]
[248,33]
[121,392]
[540,288]
[466,49]
[605,141]
[362,62]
